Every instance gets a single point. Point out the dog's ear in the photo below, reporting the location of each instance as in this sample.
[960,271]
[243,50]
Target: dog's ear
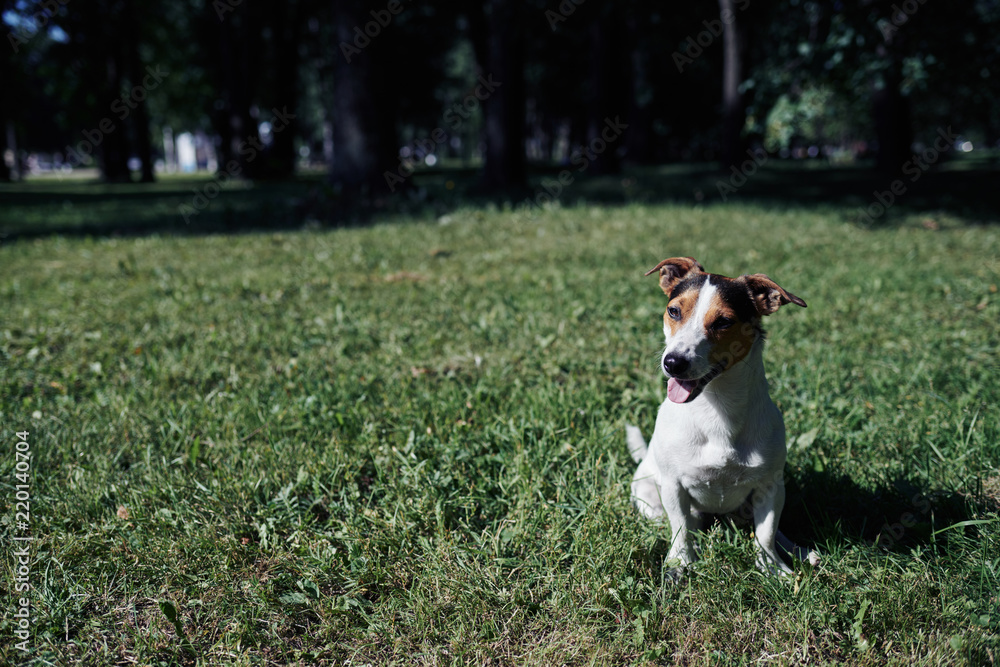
[674,270]
[767,295]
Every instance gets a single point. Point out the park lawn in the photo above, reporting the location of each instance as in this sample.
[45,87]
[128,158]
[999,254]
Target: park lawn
[403,443]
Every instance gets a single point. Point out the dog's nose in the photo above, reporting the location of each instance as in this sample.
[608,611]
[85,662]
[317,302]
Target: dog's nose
[675,365]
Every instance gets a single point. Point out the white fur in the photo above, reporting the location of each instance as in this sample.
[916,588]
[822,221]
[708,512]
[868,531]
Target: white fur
[716,453]
[690,340]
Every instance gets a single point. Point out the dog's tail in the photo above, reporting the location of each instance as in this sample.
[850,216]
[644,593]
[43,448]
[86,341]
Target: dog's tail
[795,551]
[636,443]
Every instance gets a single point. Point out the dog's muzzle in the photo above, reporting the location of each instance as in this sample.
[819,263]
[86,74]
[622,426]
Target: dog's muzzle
[684,390]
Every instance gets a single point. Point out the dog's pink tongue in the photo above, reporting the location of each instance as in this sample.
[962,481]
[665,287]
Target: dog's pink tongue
[678,391]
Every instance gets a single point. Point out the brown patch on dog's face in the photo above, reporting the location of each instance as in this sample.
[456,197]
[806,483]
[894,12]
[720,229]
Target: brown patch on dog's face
[711,323]
[679,309]
[730,327]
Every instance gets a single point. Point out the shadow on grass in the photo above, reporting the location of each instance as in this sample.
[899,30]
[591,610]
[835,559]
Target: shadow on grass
[80,208]
[895,516]
[965,188]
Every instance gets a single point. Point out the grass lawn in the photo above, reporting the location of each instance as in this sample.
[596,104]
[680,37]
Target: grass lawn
[403,443]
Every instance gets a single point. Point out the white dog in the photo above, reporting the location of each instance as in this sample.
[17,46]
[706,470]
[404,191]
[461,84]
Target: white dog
[719,441]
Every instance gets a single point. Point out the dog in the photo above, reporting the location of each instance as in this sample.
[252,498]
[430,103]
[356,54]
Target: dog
[718,446]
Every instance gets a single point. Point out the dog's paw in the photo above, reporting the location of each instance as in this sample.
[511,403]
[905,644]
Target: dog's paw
[813,558]
[772,565]
[675,576]
[675,571]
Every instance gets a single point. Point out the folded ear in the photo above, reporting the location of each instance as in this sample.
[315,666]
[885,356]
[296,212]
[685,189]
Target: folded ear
[674,270]
[767,295]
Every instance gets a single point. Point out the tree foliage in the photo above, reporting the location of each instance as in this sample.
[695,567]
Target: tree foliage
[369,84]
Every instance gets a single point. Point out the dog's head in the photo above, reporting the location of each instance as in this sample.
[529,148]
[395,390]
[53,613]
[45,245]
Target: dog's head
[711,322]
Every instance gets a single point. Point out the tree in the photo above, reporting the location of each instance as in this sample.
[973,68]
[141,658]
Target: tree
[233,44]
[890,107]
[92,79]
[136,74]
[902,64]
[498,38]
[733,108]
[639,141]
[287,35]
[8,75]
[609,90]
[364,142]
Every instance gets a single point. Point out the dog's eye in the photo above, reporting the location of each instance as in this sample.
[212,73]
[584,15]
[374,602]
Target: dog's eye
[722,323]
[674,312]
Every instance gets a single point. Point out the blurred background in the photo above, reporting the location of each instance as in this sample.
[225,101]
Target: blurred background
[251,113]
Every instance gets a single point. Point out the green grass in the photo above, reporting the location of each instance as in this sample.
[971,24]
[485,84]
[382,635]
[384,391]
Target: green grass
[403,443]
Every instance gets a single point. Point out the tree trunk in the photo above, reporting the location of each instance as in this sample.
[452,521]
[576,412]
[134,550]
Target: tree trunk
[222,117]
[6,74]
[499,47]
[9,84]
[114,145]
[892,125]
[639,139]
[140,116]
[286,38]
[237,41]
[733,109]
[363,132]
[891,109]
[609,90]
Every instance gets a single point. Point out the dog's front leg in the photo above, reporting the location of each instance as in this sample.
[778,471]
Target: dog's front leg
[768,501]
[683,524]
